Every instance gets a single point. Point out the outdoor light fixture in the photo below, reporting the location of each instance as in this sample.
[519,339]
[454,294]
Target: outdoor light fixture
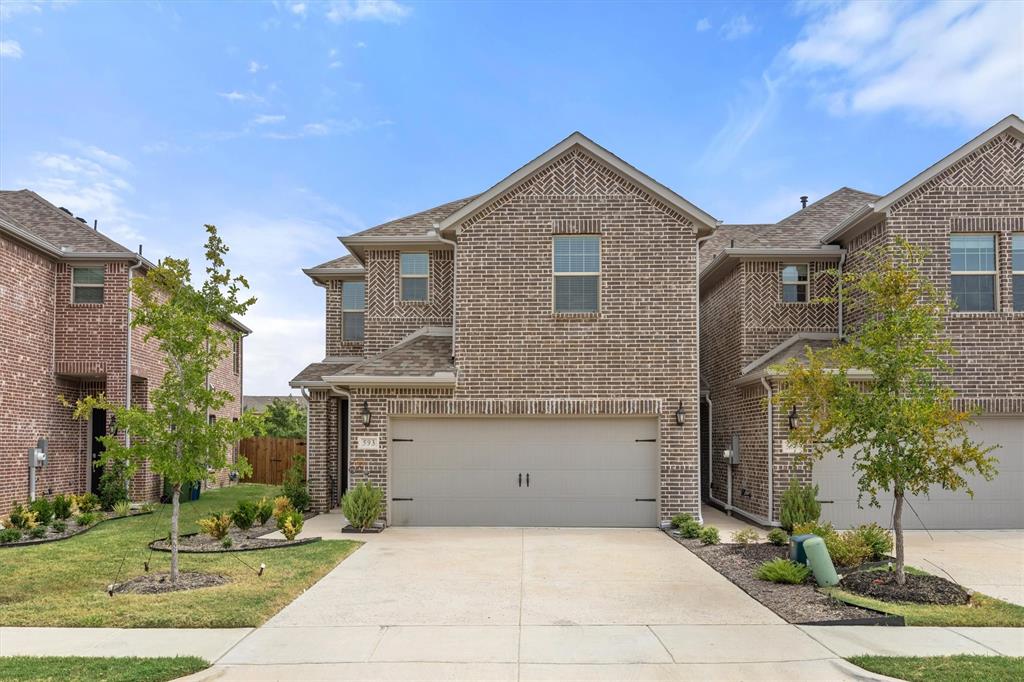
[794,419]
[366,413]
[680,414]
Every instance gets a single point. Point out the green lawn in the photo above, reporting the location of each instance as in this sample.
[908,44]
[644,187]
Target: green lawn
[82,669]
[945,668]
[64,583]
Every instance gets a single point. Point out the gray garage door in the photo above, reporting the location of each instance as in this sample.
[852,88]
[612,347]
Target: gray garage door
[524,472]
[996,504]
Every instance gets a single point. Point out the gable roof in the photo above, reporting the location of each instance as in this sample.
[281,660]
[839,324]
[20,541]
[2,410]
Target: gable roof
[875,209]
[704,222]
[422,358]
[415,225]
[33,218]
[344,265]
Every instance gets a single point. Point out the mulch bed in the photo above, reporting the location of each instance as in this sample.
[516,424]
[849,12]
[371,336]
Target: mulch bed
[241,541]
[158,583]
[919,589]
[72,529]
[801,604]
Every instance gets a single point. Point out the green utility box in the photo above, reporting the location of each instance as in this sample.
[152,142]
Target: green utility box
[796,548]
[189,491]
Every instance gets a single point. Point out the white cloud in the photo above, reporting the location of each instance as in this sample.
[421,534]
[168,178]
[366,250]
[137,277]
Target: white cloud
[367,10]
[236,96]
[256,67]
[737,27]
[267,119]
[747,115]
[297,8]
[322,129]
[360,44]
[9,9]
[959,62]
[10,48]
[703,25]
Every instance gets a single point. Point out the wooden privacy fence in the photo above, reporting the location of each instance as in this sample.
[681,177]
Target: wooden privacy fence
[270,457]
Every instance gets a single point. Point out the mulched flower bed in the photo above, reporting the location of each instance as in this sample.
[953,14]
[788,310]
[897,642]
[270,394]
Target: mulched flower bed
[802,604]
[919,589]
[158,583]
[72,529]
[241,541]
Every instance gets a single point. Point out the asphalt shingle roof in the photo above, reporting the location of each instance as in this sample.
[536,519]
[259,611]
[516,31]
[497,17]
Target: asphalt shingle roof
[347,262]
[34,214]
[421,356]
[795,347]
[316,371]
[416,224]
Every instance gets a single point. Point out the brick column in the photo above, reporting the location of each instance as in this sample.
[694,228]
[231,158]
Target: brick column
[318,450]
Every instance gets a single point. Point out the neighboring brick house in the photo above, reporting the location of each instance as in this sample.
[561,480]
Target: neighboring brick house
[64,332]
[757,291]
[525,356]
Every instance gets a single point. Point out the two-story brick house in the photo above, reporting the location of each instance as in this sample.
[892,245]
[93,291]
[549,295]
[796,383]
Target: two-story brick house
[758,289]
[525,356]
[64,331]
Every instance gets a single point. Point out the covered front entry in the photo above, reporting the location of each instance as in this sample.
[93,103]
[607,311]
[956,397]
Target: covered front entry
[996,504]
[544,471]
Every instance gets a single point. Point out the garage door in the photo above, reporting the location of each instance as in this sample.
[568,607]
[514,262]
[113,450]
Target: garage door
[996,504]
[524,472]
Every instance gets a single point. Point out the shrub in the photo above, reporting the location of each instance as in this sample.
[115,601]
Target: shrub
[290,524]
[226,542]
[679,519]
[799,505]
[822,530]
[86,518]
[87,502]
[745,536]
[294,486]
[848,550]
[113,484]
[778,537]
[264,510]
[244,515]
[59,526]
[21,518]
[215,525]
[148,507]
[875,537]
[123,508]
[782,571]
[39,532]
[43,510]
[62,507]
[362,505]
[281,505]
[9,535]
[709,535]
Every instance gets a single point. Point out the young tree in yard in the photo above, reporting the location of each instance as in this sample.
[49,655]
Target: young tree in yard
[899,424]
[285,419]
[175,433]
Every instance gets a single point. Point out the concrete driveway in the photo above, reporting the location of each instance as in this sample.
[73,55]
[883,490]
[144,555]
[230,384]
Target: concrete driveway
[518,604]
[989,561]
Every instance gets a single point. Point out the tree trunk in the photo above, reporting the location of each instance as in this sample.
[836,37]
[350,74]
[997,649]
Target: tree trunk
[897,530]
[175,508]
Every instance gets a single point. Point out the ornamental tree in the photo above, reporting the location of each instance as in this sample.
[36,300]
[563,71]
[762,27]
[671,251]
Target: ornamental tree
[284,419]
[897,420]
[190,324]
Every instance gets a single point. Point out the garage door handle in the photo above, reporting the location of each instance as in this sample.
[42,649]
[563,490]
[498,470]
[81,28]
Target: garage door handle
[647,499]
[527,480]
[520,480]
[401,440]
[646,440]
[401,499]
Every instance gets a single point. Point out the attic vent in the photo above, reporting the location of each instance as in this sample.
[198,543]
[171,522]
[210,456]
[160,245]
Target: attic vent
[803,201]
[65,210]
[82,220]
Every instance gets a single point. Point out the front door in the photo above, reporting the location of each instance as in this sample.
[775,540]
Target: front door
[98,427]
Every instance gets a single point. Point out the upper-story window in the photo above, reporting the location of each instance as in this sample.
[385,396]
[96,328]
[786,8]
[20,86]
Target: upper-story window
[236,354]
[972,260]
[353,307]
[415,273]
[794,283]
[87,285]
[577,272]
[1018,272]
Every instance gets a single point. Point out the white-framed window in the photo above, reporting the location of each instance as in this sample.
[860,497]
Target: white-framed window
[87,284]
[794,283]
[972,265]
[577,273]
[236,354]
[353,309]
[415,276]
[1018,272]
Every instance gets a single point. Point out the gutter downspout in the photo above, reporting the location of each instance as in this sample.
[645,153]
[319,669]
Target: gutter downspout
[700,464]
[305,394]
[128,359]
[455,279]
[771,451]
[842,262]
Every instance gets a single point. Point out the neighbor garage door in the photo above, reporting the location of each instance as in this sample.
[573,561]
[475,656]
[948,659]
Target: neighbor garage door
[996,504]
[524,472]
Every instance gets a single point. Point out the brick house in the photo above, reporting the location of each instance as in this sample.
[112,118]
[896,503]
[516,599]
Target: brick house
[525,356]
[757,289]
[64,331]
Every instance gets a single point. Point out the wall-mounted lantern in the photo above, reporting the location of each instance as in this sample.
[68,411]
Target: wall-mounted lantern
[366,413]
[794,419]
[680,414]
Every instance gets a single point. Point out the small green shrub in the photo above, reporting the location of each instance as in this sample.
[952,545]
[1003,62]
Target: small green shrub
[43,510]
[226,543]
[290,524]
[122,508]
[690,529]
[38,533]
[215,525]
[59,526]
[87,502]
[113,483]
[745,536]
[281,505]
[9,535]
[149,507]
[875,537]
[62,507]
[778,537]
[847,549]
[21,518]
[799,505]
[782,571]
[244,515]
[294,486]
[362,505]
[86,519]
[679,519]
[264,510]
[709,535]
[822,530]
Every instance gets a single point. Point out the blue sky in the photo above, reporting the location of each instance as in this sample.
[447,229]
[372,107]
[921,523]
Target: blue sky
[287,124]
